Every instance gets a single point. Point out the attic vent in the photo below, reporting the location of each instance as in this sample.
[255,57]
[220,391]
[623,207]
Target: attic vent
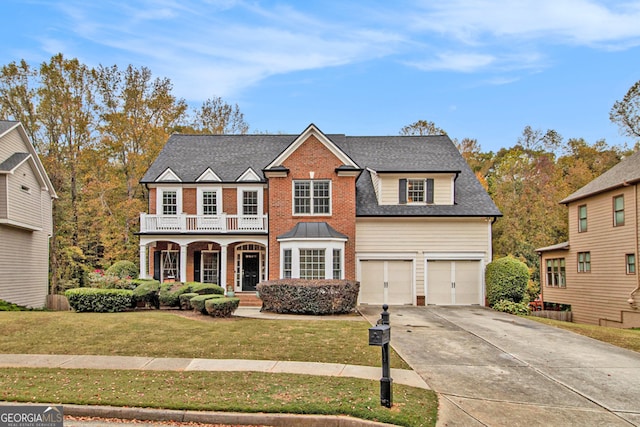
[25,189]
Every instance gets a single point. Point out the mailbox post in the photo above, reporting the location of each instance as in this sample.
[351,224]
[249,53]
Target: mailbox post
[380,335]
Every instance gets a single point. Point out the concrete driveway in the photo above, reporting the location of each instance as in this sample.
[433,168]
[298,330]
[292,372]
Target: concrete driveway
[495,369]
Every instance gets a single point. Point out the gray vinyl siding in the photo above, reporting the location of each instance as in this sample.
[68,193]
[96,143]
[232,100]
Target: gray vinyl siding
[24,263]
[25,206]
[3,197]
[11,143]
[603,292]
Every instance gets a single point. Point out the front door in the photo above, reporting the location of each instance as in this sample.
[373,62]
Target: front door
[250,271]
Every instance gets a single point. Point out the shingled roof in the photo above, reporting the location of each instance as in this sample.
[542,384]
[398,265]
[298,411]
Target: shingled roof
[229,156]
[627,172]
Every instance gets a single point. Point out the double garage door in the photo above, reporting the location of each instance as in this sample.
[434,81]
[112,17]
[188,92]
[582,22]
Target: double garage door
[453,282]
[386,282]
[449,282]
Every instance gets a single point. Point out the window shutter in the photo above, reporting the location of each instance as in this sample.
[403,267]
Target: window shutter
[196,265]
[429,190]
[156,265]
[402,191]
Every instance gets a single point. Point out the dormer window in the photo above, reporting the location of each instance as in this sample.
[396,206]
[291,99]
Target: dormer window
[416,191]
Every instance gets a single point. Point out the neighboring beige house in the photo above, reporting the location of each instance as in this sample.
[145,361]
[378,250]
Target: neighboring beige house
[595,272]
[404,215]
[26,197]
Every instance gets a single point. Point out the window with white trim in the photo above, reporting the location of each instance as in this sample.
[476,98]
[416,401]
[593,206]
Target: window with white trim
[337,264]
[209,203]
[312,197]
[312,263]
[209,267]
[415,191]
[250,202]
[631,263]
[556,272]
[169,202]
[286,264]
[582,218]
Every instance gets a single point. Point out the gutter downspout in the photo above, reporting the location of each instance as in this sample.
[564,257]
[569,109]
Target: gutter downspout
[631,300]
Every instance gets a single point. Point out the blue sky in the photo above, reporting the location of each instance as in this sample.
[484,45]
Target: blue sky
[481,69]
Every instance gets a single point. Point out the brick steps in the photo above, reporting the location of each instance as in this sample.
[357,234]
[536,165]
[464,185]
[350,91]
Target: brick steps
[249,299]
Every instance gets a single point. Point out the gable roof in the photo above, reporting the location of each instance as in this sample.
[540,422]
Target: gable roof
[627,172]
[231,155]
[7,126]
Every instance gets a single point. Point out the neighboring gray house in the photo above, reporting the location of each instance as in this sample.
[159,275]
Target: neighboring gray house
[404,215]
[26,196]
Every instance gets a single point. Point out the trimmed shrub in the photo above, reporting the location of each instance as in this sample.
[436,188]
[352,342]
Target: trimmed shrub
[300,296]
[9,306]
[99,300]
[506,279]
[511,307]
[205,288]
[221,307]
[198,302]
[147,292]
[185,304]
[123,270]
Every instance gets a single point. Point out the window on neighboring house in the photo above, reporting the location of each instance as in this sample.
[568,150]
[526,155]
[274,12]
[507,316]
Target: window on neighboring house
[250,203]
[584,262]
[209,267]
[416,191]
[312,264]
[209,203]
[312,197]
[556,272]
[582,218]
[286,264]
[631,263]
[169,202]
[337,264]
[618,211]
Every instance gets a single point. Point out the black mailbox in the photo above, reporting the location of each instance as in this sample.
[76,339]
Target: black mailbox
[379,335]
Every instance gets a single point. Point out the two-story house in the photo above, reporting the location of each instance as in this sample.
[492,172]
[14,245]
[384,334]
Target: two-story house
[595,272]
[26,224]
[404,215]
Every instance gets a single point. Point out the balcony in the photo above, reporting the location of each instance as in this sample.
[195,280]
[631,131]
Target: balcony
[198,224]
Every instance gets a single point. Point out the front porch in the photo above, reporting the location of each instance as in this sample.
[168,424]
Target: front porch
[234,264]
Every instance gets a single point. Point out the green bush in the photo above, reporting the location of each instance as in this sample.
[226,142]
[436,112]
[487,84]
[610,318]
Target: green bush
[147,291]
[198,302]
[506,279]
[221,307]
[185,304]
[300,296]
[9,306]
[123,270]
[205,288]
[511,307]
[99,300]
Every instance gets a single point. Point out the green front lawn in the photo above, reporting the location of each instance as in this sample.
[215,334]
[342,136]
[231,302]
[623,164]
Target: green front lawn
[215,391]
[165,334]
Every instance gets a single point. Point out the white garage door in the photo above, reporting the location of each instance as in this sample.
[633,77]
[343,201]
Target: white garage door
[453,282]
[386,282]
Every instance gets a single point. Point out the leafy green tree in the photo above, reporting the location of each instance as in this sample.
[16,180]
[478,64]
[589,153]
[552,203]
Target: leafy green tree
[506,279]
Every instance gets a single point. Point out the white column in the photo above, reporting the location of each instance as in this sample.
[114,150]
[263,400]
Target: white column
[183,263]
[223,267]
[143,261]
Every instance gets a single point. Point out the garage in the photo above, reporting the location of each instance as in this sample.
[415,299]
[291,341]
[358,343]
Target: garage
[456,282]
[386,282]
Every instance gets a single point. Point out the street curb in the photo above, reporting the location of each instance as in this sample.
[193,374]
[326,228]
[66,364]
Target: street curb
[208,417]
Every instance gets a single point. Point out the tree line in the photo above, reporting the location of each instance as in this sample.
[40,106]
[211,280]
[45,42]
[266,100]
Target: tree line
[97,130]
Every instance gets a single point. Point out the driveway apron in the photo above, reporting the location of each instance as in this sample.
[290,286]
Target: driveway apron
[495,369]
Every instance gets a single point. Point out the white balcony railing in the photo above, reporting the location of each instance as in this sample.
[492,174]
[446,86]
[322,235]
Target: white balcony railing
[202,223]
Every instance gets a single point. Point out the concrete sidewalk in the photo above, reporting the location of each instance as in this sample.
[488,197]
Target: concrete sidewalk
[400,376]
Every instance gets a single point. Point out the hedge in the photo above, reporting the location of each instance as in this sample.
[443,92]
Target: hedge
[99,300]
[147,292]
[198,302]
[170,292]
[123,270]
[506,279]
[300,296]
[221,307]
[185,304]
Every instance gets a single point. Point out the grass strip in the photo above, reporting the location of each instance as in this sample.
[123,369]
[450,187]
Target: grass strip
[624,338]
[209,391]
[164,334]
